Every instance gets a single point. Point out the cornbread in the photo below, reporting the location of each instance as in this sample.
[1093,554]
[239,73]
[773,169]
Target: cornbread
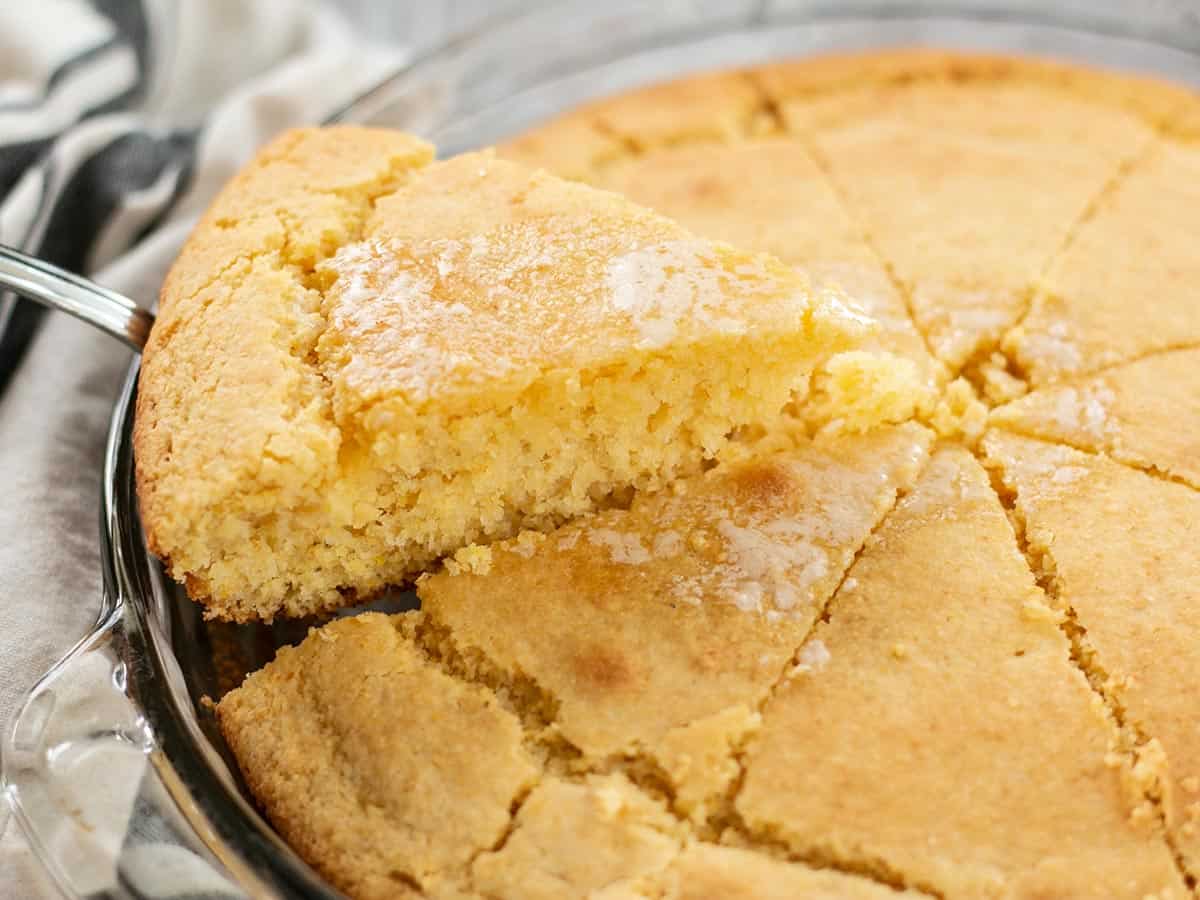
[1118,551]
[928,718]
[1144,414]
[449,352]
[796,735]
[729,570]
[787,208]
[977,681]
[1125,287]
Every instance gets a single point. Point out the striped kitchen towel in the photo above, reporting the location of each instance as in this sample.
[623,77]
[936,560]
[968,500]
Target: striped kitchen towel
[119,119]
[113,113]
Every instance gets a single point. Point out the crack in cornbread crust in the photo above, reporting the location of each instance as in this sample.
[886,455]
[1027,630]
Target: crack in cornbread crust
[244,255]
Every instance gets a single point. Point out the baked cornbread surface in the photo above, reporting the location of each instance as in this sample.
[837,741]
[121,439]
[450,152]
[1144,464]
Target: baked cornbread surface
[950,657]
[366,360]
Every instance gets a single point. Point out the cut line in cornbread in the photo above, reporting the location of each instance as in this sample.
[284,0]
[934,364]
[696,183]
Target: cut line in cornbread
[660,628]
[383,822]
[366,361]
[1141,413]
[1120,550]
[945,735]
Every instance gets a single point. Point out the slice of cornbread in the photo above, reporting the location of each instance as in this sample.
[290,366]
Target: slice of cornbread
[1121,552]
[365,362]
[769,195]
[380,769]
[1143,413]
[729,571]
[921,742]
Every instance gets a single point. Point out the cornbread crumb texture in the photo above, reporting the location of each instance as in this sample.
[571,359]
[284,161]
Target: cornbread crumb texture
[229,412]
[467,348]
[921,742]
[1119,548]
[1145,413]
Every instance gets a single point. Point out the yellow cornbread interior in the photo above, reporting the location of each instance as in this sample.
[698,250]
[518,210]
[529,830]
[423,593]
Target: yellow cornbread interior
[482,349]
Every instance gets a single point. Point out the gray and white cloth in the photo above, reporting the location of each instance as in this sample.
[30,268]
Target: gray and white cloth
[118,121]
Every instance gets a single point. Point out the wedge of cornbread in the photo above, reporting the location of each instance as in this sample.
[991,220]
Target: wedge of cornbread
[365,360]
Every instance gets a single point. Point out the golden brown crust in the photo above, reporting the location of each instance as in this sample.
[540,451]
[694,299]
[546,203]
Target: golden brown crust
[745,100]
[377,767]
[711,107]
[1156,100]
[707,872]
[240,247]
[924,740]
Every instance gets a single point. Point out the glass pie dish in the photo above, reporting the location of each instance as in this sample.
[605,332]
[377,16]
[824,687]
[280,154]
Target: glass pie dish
[114,767]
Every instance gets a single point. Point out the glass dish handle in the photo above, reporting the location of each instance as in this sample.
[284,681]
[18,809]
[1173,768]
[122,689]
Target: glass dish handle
[88,785]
